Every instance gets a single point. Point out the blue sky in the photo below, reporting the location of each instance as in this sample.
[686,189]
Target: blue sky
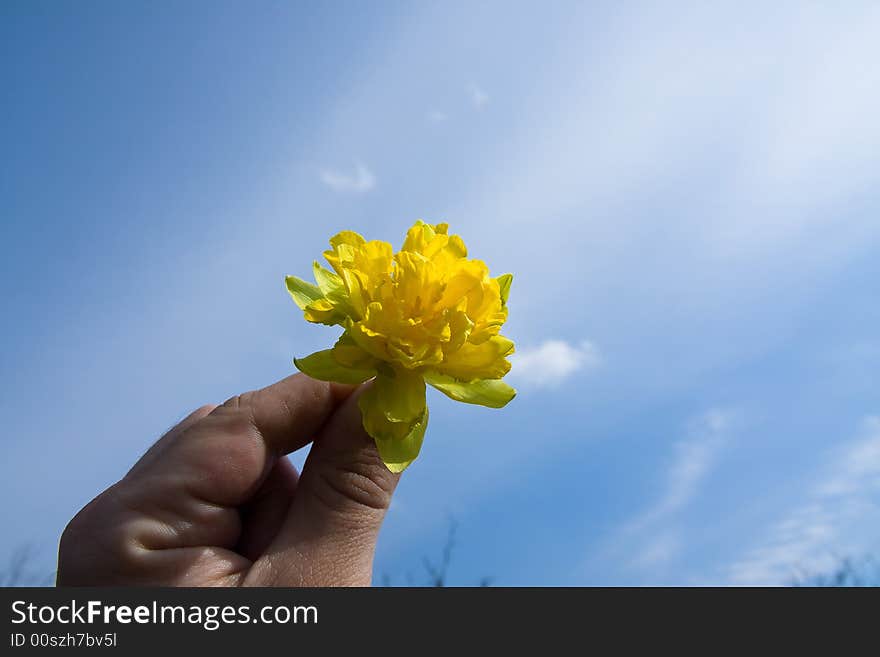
[686,195]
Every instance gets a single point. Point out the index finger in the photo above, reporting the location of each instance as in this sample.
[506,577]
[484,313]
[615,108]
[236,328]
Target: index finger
[224,456]
[289,413]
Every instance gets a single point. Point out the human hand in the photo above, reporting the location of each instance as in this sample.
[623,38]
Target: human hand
[215,502]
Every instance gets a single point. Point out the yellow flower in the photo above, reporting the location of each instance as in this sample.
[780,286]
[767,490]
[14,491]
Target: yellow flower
[424,314]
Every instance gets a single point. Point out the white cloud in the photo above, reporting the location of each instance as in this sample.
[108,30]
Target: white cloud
[437,116]
[361,180]
[478,97]
[829,523]
[553,361]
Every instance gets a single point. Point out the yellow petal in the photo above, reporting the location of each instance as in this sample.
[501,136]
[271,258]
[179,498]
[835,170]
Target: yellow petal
[418,236]
[479,361]
[412,357]
[466,276]
[357,287]
[375,260]
[367,338]
[460,327]
[323,311]
[347,237]
[413,279]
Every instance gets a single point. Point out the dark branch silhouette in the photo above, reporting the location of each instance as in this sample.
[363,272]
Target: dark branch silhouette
[849,572]
[438,572]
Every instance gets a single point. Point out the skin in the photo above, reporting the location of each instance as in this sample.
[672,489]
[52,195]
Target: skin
[215,503]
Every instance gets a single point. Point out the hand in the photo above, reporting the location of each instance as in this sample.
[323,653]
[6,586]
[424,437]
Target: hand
[215,502]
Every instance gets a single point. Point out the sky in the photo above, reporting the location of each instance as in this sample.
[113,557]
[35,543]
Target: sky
[687,196]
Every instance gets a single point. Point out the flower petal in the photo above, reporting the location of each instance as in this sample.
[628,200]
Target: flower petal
[347,237]
[303,293]
[348,354]
[401,393]
[395,415]
[463,279]
[485,392]
[333,288]
[328,282]
[323,366]
[418,236]
[323,311]
[504,282]
[398,454]
[479,361]
[388,415]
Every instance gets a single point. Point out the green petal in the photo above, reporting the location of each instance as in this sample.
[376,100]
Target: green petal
[348,354]
[485,392]
[327,281]
[333,288]
[395,415]
[400,394]
[322,365]
[399,453]
[303,293]
[504,282]
[324,312]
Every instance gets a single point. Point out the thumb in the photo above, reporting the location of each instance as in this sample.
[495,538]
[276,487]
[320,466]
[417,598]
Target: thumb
[329,535]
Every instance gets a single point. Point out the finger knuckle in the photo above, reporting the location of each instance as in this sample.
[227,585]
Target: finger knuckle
[357,481]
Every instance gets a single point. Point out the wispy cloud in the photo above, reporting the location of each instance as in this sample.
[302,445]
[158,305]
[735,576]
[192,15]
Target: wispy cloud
[657,550]
[553,361]
[829,523]
[805,141]
[360,180]
[478,97]
[693,459]
[654,538]
[437,116]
